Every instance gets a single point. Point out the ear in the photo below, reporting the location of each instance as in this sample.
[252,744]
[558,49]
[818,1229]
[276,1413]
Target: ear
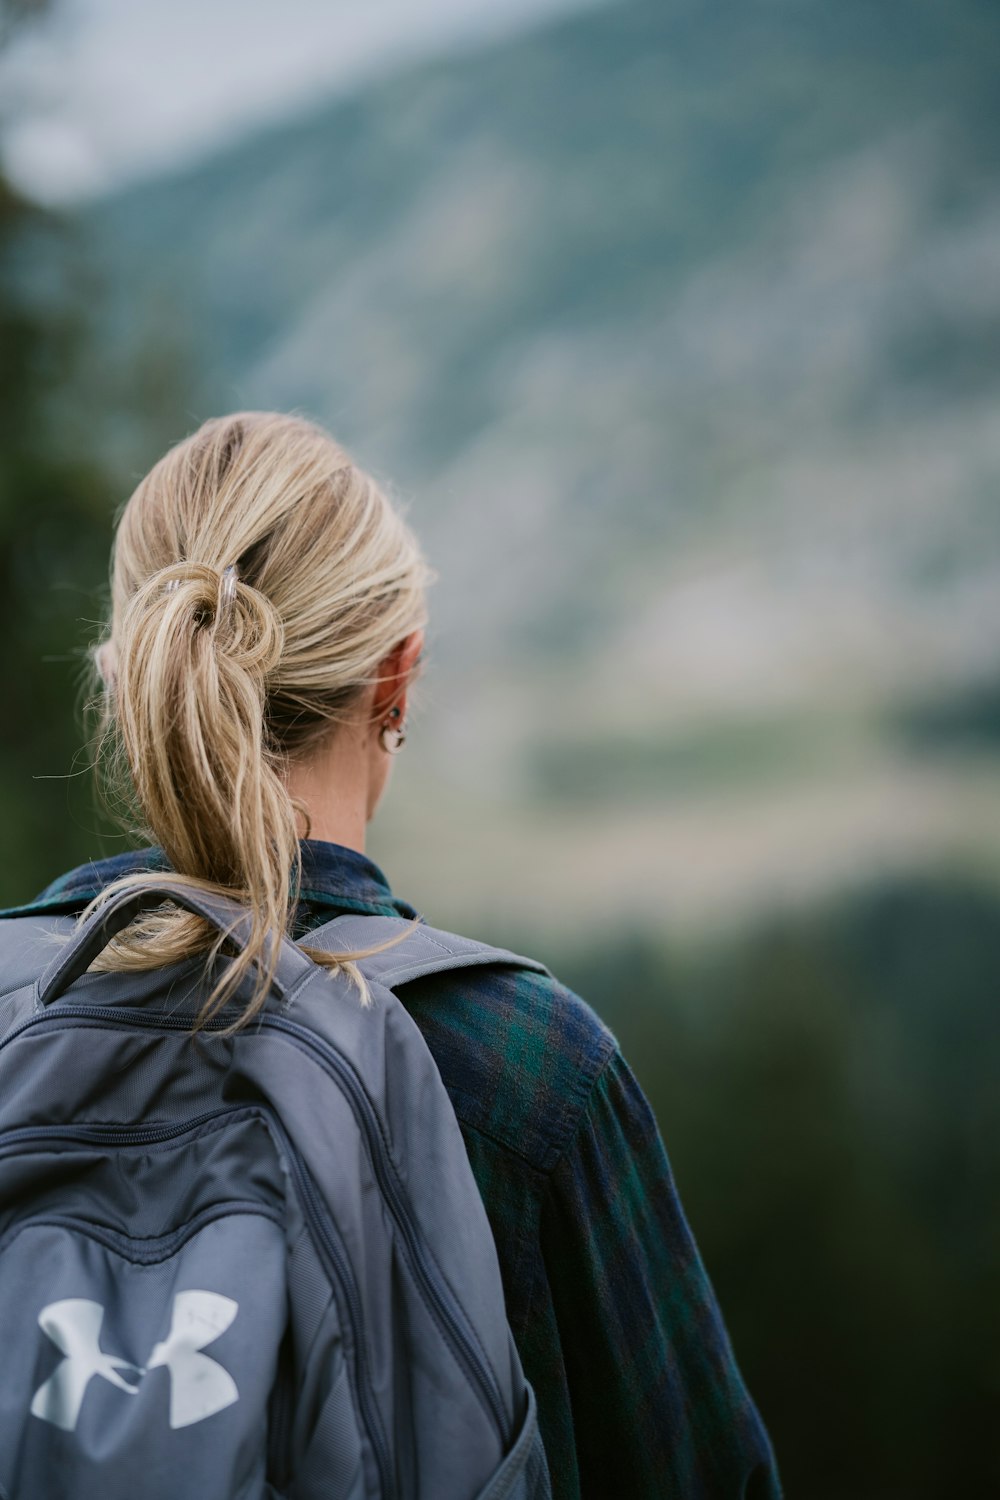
[395,673]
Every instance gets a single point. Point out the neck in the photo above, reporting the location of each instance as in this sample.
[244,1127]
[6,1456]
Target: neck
[333,787]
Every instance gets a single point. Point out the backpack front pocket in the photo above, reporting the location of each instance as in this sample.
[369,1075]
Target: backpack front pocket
[142,1307]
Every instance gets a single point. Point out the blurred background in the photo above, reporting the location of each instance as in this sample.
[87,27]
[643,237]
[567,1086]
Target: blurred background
[677,328]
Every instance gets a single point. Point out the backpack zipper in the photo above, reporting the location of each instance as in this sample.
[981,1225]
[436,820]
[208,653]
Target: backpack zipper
[114,1135]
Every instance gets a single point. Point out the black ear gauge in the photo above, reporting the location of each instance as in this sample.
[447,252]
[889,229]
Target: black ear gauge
[392,735]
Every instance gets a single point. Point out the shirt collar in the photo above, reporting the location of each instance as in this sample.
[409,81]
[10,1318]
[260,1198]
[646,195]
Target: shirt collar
[333,875]
[334,879]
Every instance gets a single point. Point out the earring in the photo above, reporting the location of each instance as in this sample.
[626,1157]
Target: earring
[392,736]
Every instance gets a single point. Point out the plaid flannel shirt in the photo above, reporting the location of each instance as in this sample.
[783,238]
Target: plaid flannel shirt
[618,1329]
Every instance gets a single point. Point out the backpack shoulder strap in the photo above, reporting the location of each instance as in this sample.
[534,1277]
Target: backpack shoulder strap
[424,950]
[28,944]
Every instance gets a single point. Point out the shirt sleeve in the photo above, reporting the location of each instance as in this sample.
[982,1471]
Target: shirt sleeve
[659,1406]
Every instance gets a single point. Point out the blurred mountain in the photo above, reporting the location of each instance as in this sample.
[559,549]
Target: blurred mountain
[678,327]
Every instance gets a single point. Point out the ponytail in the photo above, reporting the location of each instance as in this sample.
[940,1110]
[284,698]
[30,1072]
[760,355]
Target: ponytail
[259,580]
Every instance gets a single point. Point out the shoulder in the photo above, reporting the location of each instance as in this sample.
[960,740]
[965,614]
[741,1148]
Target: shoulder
[519,1053]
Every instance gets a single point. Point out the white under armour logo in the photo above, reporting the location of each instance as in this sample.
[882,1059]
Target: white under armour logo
[199,1386]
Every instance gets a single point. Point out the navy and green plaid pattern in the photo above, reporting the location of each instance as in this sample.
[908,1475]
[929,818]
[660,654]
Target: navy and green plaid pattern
[639,1395]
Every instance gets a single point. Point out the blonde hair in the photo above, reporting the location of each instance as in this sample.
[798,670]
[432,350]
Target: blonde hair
[259,579]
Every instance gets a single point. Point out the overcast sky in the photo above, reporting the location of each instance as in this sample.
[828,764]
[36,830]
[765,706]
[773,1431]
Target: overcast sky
[110,90]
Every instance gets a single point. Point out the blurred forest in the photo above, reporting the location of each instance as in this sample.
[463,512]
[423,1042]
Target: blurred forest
[55,504]
[825,1073]
[827,1089]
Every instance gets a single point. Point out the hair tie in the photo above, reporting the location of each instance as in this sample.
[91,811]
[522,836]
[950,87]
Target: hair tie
[227,591]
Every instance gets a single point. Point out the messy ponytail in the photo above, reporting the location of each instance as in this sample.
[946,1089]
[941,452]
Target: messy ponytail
[259,579]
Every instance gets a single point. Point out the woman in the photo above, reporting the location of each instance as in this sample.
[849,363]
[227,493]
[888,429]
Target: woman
[284,719]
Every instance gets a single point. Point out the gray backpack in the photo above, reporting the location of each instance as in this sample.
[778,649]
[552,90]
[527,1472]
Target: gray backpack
[246,1266]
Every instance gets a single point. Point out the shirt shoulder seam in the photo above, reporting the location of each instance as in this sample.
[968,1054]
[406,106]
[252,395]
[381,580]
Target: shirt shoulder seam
[585,1102]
